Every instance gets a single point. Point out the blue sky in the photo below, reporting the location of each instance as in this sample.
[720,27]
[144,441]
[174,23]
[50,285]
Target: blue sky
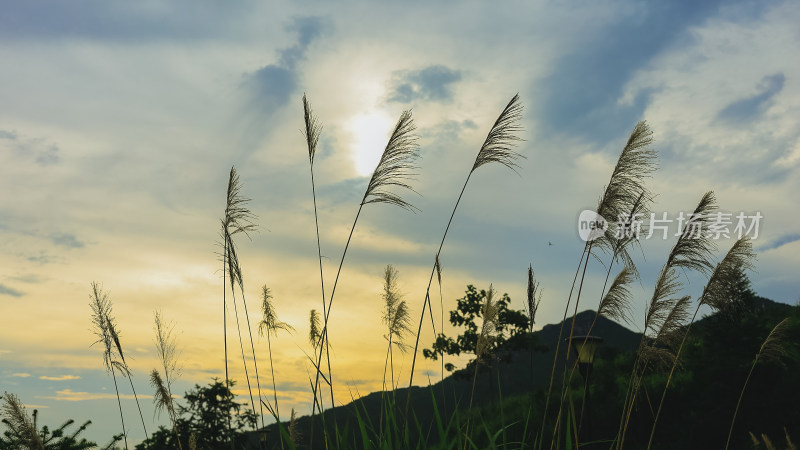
[119,122]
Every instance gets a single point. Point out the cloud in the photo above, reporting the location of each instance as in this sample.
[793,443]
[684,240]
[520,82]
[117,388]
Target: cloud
[779,242]
[41,258]
[115,20]
[750,108]
[273,85]
[66,240]
[29,278]
[581,96]
[60,378]
[432,83]
[69,395]
[5,290]
[21,375]
[42,152]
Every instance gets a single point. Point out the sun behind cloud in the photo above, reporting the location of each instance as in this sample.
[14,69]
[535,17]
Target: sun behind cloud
[371,132]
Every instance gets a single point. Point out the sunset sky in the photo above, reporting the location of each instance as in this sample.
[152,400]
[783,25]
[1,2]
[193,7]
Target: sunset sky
[120,121]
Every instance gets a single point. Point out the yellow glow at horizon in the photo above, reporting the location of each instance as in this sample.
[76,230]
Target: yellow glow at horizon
[370,134]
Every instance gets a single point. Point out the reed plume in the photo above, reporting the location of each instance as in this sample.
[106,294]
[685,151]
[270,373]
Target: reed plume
[499,144]
[314,328]
[396,165]
[294,430]
[164,401]
[533,300]
[15,416]
[268,326]
[772,349]
[395,316]
[102,325]
[616,303]
[313,129]
[497,147]
[167,350]
[488,334]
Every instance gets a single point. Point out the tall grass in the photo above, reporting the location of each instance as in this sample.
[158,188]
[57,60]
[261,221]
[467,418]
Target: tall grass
[269,326]
[623,201]
[397,319]
[623,196]
[773,348]
[102,323]
[498,147]
[236,219]
[394,171]
[718,296]
[665,312]
[167,350]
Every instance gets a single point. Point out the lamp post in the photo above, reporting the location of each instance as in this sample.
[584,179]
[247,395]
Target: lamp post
[585,347]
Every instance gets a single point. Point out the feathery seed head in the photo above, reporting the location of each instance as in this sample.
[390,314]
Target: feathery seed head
[314,334]
[396,165]
[502,138]
[617,302]
[270,323]
[313,130]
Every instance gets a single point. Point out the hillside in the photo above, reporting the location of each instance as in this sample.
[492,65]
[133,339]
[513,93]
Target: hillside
[697,411]
[520,374]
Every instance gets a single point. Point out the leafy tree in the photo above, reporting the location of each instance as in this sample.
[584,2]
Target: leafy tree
[511,329]
[204,418]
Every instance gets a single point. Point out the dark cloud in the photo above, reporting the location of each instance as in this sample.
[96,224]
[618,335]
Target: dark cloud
[433,83]
[273,85]
[118,20]
[29,278]
[307,29]
[41,258]
[11,135]
[66,240]
[779,242]
[750,108]
[580,97]
[5,290]
[43,153]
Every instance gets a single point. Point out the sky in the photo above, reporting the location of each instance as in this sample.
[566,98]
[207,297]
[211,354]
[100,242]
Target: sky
[120,121]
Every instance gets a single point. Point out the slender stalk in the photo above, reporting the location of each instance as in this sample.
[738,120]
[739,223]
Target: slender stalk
[558,344]
[119,403]
[225,322]
[141,416]
[324,334]
[575,363]
[471,396]
[428,289]
[669,378]
[253,350]
[739,403]
[564,386]
[244,360]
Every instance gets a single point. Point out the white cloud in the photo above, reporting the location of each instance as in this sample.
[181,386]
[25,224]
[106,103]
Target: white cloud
[60,377]
[69,395]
